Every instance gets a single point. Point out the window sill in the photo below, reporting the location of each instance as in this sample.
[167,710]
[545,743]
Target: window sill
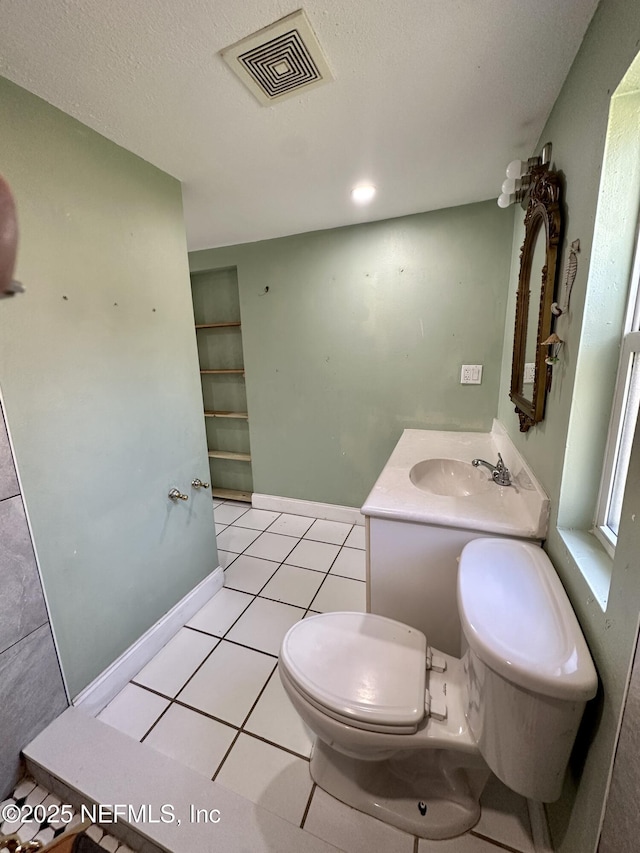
[592,560]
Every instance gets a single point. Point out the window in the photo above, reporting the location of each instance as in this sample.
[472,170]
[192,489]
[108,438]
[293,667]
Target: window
[624,417]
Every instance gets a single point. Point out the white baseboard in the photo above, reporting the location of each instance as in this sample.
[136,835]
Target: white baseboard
[312,509]
[110,682]
[539,827]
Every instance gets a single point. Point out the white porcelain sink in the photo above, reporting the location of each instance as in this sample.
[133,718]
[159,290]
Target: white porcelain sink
[449,477]
[429,479]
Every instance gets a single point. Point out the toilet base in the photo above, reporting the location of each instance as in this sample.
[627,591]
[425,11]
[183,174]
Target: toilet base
[417,792]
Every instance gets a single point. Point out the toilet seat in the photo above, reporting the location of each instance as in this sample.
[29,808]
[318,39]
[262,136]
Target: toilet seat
[360,669]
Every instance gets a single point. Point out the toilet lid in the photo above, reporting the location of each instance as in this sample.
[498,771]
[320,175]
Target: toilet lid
[363,667]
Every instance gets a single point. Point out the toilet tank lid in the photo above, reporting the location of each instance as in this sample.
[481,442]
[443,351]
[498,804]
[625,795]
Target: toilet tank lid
[517,618]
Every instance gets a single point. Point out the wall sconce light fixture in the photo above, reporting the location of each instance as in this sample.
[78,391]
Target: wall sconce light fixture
[519,172]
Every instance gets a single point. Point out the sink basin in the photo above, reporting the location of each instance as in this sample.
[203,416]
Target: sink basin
[450,477]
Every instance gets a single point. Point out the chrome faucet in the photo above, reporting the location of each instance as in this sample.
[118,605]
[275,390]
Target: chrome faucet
[499,472]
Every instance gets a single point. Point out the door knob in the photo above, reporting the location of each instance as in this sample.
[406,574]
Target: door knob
[176,495]
[197,484]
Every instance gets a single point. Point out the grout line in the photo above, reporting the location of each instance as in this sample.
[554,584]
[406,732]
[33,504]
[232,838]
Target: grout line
[235,642]
[151,690]
[292,535]
[261,529]
[242,646]
[353,548]
[257,699]
[253,598]
[317,591]
[493,841]
[198,668]
[231,553]
[322,541]
[308,806]
[206,714]
[288,554]
[228,523]
[270,577]
[308,568]
[202,631]
[260,533]
[277,745]
[291,566]
[323,582]
[416,842]
[303,607]
[253,648]
[33,630]
[226,755]
[346,523]
[183,704]
[346,577]
[267,558]
[239,729]
[304,536]
[155,723]
[279,533]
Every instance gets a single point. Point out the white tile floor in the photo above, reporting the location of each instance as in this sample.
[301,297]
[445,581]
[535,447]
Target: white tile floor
[212,698]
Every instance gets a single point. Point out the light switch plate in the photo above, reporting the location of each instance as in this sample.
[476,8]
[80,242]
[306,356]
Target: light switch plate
[471,374]
[529,373]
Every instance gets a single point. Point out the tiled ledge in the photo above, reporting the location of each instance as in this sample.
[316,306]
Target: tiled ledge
[82,760]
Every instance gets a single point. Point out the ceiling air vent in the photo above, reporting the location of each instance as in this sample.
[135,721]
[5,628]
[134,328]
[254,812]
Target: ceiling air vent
[279,60]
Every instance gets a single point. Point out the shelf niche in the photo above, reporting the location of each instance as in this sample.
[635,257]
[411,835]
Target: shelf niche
[216,308]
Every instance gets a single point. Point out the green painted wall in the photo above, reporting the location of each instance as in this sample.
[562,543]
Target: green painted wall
[99,376]
[577,127]
[360,335]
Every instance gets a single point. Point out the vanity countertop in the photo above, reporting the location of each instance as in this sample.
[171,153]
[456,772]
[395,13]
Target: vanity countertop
[519,510]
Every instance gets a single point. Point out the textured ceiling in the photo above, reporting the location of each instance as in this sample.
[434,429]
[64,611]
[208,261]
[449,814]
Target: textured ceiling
[431,100]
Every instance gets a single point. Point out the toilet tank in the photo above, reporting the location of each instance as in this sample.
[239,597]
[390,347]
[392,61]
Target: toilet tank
[528,670]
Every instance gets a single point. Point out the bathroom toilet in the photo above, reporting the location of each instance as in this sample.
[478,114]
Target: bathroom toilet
[409,734]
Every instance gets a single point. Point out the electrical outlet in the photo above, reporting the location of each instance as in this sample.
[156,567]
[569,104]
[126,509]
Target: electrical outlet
[529,373]
[471,374]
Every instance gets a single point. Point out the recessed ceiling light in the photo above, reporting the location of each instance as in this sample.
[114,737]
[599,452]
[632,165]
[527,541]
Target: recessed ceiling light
[363,194]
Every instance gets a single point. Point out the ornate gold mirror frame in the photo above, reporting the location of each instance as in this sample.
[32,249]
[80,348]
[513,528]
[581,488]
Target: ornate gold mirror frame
[536,288]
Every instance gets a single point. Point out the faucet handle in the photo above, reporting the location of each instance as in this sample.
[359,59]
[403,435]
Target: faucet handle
[176,495]
[198,484]
[501,474]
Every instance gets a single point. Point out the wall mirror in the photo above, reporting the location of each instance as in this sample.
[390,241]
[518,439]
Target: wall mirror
[536,288]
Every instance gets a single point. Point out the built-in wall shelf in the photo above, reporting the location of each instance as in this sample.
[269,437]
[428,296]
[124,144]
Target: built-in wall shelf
[216,308]
[228,454]
[231,494]
[217,325]
[239,415]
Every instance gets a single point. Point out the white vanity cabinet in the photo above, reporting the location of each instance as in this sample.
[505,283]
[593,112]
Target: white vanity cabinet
[412,571]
